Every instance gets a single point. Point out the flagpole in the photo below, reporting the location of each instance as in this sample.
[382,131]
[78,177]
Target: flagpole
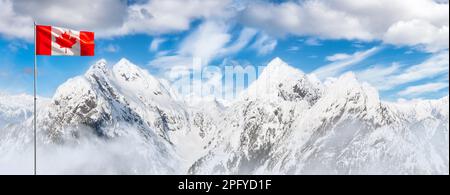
[34,87]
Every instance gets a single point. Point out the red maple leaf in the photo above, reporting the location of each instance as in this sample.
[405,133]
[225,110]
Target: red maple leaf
[65,40]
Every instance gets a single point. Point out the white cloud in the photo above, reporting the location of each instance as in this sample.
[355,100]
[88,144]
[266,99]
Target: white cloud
[425,20]
[167,62]
[337,57]
[13,25]
[423,89]
[159,17]
[419,23]
[434,66]
[16,45]
[206,41]
[245,37]
[306,18]
[377,75]
[16,17]
[154,45]
[209,41]
[418,32]
[293,48]
[264,44]
[312,42]
[111,48]
[74,13]
[162,53]
[108,17]
[346,60]
[388,77]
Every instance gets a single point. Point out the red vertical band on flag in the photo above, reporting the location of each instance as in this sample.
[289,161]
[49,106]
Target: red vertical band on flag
[43,40]
[87,43]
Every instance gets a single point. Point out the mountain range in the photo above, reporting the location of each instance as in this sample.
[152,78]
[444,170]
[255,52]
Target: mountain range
[120,119]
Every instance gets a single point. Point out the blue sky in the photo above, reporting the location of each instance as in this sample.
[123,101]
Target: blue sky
[321,37]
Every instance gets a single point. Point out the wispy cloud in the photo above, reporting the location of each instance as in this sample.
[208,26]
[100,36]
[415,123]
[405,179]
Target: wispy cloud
[245,37]
[423,89]
[434,66]
[264,44]
[111,48]
[167,62]
[312,42]
[206,41]
[14,46]
[343,62]
[433,70]
[293,48]
[338,57]
[211,40]
[156,42]
[376,75]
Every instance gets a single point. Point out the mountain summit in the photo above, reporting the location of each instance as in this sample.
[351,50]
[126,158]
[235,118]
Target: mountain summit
[281,81]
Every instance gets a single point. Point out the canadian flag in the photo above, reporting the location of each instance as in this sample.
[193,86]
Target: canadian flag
[51,40]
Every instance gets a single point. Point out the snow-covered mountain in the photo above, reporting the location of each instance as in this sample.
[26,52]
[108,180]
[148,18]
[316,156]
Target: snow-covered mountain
[120,119]
[122,103]
[293,124]
[16,108]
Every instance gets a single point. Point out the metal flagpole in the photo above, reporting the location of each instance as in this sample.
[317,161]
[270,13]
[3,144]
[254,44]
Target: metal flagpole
[34,86]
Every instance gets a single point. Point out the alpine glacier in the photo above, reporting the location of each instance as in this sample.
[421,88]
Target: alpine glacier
[122,120]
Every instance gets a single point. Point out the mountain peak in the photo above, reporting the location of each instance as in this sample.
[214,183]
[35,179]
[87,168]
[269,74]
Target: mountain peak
[278,69]
[279,80]
[278,64]
[99,66]
[124,61]
[125,65]
[130,72]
